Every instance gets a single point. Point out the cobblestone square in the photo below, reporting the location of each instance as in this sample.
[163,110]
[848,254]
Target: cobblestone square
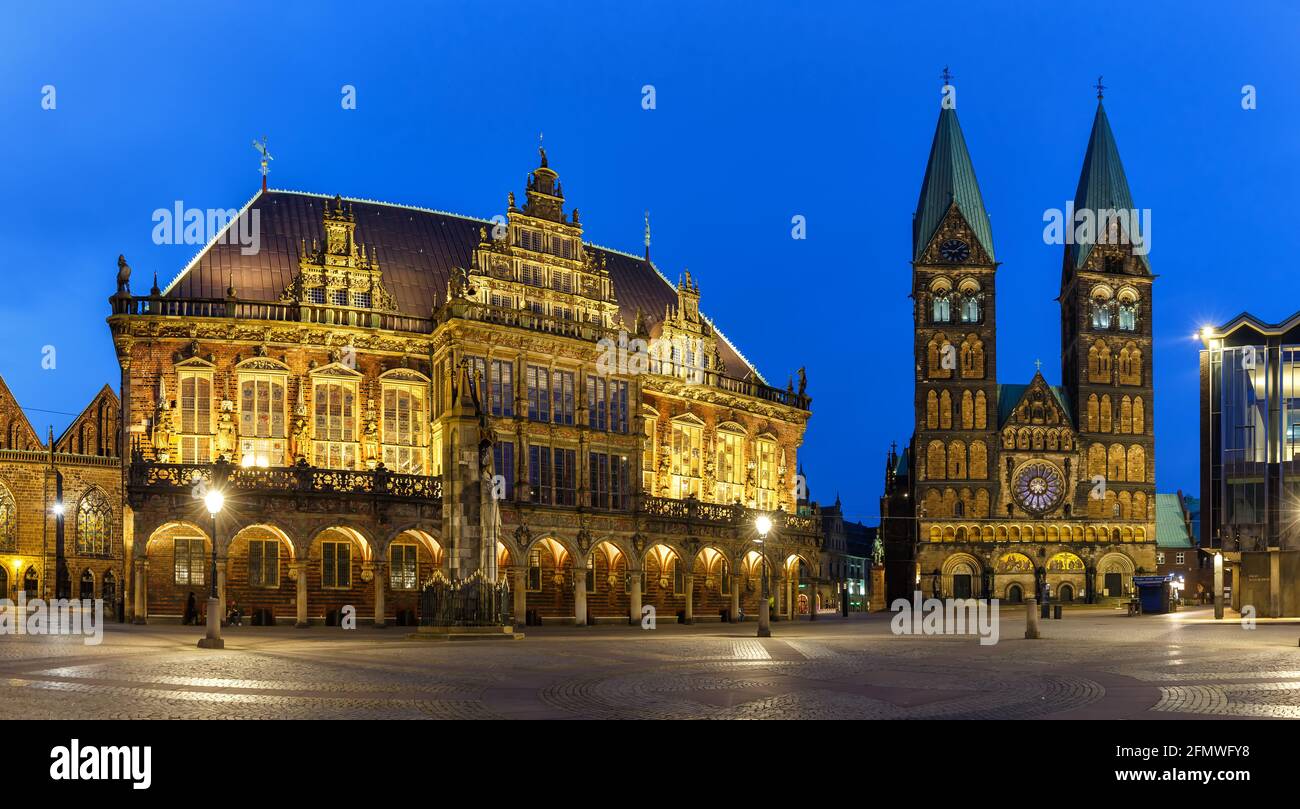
[1092,664]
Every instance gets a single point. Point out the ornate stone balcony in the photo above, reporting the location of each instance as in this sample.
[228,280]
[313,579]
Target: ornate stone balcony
[146,477]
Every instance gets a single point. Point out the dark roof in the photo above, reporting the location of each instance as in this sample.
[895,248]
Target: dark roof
[1010,395]
[949,178]
[416,249]
[1102,183]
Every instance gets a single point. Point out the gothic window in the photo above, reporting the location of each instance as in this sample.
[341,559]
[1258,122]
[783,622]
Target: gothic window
[1101,314]
[1053,440]
[932,410]
[979,460]
[945,410]
[8,524]
[403,567]
[1137,464]
[403,425]
[94,525]
[1106,414]
[936,461]
[970,309]
[1022,438]
[195,404]
[1126,415]
[1139,416]
[941,308]
[959,509]
[264,563]
[334,420]
[1094,413]
[967,411]
[1128,317]
[981,411]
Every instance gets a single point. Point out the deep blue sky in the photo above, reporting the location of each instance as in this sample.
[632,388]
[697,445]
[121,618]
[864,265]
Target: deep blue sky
[765,110]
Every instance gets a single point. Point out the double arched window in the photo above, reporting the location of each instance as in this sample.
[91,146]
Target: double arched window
[94,525]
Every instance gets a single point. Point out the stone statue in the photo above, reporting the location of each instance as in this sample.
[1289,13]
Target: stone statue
[162,432]
[300,438]
[803,381]
[226,431]
[123,274]
[370,436]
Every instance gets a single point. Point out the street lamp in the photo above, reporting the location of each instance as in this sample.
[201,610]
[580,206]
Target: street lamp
[763,524]
[214,500]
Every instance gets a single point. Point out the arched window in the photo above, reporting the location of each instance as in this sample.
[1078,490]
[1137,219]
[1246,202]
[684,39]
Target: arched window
[1100,315]
[941,310]
[87,590]
[94,525]
[8,522]
[970,309]
[108,590]
[1128,317]
[31,582]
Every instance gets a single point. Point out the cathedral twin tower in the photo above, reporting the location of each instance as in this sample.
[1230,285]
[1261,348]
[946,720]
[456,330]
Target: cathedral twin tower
[1017,490]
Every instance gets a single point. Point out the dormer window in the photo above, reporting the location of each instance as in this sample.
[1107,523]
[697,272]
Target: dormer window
[316,295]
[339,297]
[361,300]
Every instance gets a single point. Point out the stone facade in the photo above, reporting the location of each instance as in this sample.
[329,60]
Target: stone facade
[61,505]
[351,407]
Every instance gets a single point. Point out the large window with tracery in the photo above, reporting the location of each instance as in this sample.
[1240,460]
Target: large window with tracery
[8,522]
[403,435]
[729,467]
[686,459]
[94,525]
[334,420]
[765,480]
[195,404]
[262,418]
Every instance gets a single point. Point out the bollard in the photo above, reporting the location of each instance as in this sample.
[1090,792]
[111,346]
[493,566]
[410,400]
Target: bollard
[1031,619]
[1056,612]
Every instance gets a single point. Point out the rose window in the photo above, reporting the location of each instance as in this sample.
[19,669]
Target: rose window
[1038,487]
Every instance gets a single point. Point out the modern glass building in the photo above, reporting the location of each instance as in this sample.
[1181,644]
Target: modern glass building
[1250,458]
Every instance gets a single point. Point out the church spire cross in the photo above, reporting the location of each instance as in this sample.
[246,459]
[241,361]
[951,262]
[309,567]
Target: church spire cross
[946,76]
[1100,88]
[1038,365]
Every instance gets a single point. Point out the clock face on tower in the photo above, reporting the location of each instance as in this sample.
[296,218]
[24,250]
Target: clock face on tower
[954,250]
[1038,487]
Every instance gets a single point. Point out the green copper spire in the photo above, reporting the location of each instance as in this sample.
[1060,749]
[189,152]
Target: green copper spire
[949,178]
[1102,185]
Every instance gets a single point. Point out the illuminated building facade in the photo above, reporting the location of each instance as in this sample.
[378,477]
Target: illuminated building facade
[335,382]
[1013,490]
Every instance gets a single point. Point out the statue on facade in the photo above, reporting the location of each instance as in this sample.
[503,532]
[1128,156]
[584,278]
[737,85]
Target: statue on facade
[300,439]
[370,436]
[226,431]
[162,432]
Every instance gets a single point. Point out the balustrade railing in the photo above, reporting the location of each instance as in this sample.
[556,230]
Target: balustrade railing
[197,477]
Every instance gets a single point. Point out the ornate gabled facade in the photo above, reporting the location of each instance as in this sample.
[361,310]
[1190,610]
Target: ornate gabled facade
[352,385]
[1011,490]
[61,505]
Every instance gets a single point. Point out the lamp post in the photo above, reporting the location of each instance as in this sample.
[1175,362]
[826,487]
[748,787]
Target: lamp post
[763,524]
[214,500]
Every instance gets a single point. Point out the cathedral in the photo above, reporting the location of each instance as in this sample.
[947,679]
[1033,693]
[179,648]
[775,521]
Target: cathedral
[1022,489]
[347,385]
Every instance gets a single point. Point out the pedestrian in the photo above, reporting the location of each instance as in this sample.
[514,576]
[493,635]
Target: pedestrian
[191,610]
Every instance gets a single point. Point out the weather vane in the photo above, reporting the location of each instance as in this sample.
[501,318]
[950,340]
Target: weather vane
[1101,88]
[266,157]
[947,76]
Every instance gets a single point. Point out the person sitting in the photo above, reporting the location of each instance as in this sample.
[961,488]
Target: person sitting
[234,617]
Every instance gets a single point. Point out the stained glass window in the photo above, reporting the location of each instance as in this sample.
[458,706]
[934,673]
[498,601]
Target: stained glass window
[1038,487]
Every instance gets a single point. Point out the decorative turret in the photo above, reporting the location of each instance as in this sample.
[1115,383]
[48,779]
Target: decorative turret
[544,192]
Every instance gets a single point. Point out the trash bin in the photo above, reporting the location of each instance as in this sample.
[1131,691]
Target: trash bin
[1056,611]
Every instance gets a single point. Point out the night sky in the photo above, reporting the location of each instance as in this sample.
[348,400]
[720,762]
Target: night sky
[764,111]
